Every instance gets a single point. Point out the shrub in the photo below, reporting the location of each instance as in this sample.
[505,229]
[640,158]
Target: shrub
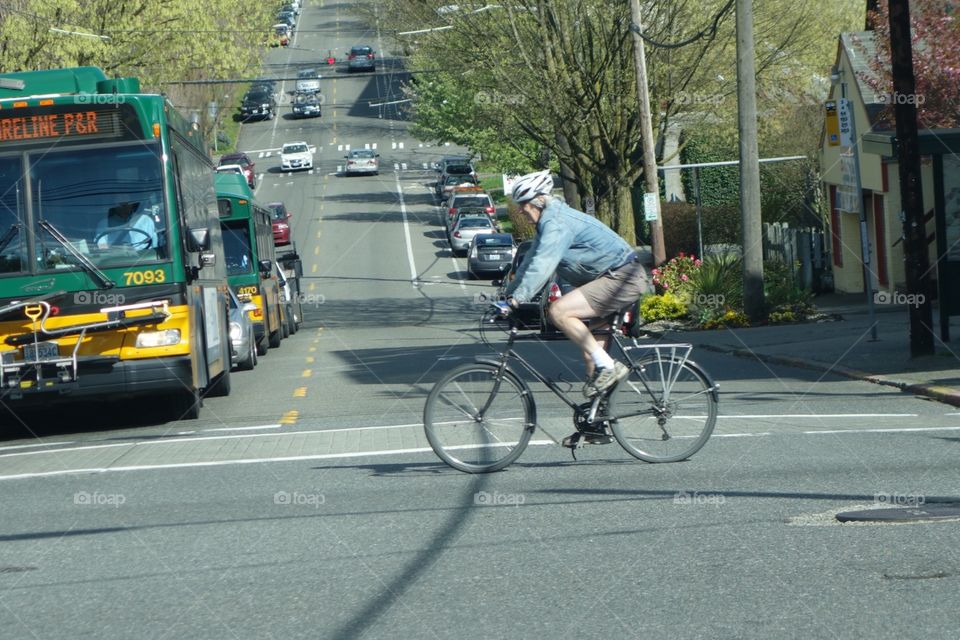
[780,285]
[662,307]
[730,318]
[719,282]
[522,229]
[675,276]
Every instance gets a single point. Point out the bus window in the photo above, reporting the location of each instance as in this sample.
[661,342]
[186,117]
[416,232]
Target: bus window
[107,201]
[12,250]
[236,248]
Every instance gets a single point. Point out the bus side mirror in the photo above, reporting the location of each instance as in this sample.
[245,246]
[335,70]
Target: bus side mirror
[198,240]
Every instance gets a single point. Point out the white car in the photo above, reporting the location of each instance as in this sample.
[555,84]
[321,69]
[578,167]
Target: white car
[296,155]
[362,161]
[308,81]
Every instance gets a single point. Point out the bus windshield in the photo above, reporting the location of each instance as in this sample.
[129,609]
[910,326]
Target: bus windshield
[236,248]
[107,201]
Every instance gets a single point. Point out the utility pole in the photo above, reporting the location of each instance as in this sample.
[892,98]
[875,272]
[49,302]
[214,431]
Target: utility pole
[753,302]
[915,252]
[651,185]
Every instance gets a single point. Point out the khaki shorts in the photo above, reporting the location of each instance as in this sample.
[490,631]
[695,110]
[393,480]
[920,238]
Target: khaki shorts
[614,291]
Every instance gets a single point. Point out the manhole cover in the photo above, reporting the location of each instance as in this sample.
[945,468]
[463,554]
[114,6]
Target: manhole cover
[929,511]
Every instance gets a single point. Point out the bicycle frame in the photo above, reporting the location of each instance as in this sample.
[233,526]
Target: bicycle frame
[679,354]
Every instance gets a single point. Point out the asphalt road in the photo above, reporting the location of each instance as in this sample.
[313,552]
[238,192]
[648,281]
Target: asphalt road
[308,505]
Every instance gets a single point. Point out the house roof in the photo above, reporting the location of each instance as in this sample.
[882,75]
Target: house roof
[860,48]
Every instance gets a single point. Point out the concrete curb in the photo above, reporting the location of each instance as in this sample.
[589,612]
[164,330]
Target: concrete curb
[946,395]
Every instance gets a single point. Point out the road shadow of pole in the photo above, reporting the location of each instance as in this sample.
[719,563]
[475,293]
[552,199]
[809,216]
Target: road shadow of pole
[364,619]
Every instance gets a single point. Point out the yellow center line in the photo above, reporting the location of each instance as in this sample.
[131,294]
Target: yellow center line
[290,417]
[306,373]
[309,360]
[313,269]
[300,392]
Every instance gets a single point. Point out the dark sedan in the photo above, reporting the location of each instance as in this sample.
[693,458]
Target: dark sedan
[490,254]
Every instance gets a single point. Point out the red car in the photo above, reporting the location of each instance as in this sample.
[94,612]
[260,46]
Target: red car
[245,163]
[281,224]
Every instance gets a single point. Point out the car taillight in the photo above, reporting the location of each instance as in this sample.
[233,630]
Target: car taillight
[369,56]
[456,234]
[554,292]
[490,210]
[452,211]
[351,56]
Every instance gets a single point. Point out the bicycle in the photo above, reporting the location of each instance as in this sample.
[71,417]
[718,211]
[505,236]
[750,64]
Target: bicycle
[480,416]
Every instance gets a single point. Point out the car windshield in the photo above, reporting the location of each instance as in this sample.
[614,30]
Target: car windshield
[474,223]
[308,74]
[471,201]
[459,180]
[459,169]
[360,51]
[278,212]
[258,96]
[363,153]
[295,148]
[233,159]
[495,240]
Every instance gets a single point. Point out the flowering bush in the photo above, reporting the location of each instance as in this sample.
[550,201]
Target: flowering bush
[729,318]
[675,275]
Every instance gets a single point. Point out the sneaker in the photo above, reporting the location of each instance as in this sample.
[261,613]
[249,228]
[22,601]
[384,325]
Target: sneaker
[603,379]
[573,440]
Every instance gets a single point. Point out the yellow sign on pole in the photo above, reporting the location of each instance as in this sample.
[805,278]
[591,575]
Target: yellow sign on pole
[833,124]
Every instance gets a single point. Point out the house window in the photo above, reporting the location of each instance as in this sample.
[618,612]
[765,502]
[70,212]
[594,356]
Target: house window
[836,244]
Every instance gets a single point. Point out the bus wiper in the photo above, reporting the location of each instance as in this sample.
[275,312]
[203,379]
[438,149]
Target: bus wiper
[89,267]
[8,237]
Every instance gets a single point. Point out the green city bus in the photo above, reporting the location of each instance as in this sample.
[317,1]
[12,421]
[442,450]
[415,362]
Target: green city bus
[247,231]
[112,276]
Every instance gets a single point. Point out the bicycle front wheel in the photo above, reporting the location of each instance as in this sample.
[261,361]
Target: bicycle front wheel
[664,411]
[477,420]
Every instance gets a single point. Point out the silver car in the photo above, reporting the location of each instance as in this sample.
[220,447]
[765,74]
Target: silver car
[243,343]
[362,161]
[468,227]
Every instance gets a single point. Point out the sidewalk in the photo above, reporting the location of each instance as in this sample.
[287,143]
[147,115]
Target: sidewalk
[844,347]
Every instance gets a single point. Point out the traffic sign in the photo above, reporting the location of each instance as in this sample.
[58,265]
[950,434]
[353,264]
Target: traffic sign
[844,122]
[651,207]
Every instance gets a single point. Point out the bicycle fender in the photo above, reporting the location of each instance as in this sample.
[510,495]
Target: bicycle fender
[713,385]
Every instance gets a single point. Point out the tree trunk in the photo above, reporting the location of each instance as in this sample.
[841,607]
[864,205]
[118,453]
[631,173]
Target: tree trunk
[615,209]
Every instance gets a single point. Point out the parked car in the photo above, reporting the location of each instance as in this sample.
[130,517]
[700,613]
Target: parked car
[246,165]
[292,7]
[361,58]
[466,228]
[258,103]
[290,302]
[362,161]
[490,254]
[468,212]
[281,35]
[308,81]
[288,18]
[243,344]
[441,164]
[295,156]
[470,200]
[280,220]
[447,183]
[306,105]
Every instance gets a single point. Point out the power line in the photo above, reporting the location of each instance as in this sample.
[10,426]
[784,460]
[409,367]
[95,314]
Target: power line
[709,32]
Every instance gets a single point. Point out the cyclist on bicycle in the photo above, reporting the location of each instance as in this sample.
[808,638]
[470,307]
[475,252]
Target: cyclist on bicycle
[587,254]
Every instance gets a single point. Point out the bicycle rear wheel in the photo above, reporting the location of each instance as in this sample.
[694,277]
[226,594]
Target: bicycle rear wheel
[477,421]
[664,411]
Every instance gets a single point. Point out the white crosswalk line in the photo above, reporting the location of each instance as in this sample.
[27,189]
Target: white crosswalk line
[339,147]
[401,146]
[374,147]
[393,145]
[366,146]
[396,167]
[260,155]
[404,166]
[339,168]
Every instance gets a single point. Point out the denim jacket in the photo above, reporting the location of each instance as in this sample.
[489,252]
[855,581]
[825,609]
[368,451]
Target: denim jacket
[577,246]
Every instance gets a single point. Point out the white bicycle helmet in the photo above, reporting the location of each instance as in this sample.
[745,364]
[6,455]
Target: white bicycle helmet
[528,187]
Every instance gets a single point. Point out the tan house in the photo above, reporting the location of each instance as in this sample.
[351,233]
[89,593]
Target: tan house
[879,179]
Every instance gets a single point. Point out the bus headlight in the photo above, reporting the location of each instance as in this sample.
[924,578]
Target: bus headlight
[166,338]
